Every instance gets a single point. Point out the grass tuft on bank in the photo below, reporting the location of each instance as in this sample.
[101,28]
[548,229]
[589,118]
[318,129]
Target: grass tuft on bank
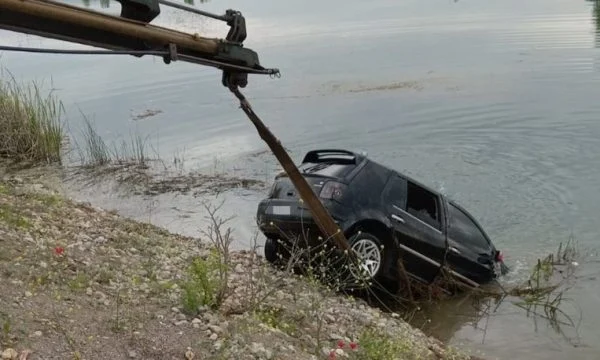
[94,152]
[30,123]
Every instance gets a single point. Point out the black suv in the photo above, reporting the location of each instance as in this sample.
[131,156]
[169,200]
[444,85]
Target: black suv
[385,216]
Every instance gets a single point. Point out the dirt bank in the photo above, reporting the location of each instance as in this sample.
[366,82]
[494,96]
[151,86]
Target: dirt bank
[79,282]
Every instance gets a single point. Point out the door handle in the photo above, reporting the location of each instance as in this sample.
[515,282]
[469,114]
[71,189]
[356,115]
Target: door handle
[454,250]
[398,218]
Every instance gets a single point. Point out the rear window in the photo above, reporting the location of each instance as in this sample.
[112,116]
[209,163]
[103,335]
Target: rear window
[327,169]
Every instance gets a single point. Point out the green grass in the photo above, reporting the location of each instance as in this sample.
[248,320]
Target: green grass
[377,345]
[30,123]
[80,282]
[12,218]
[199,289]
[6,329]
[94,151]
[203,286]
[48,200]
[274,317]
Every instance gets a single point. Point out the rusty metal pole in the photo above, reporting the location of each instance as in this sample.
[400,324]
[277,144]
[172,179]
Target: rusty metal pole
[320,214]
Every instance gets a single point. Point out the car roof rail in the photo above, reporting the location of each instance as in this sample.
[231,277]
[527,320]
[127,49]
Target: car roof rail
[337,156]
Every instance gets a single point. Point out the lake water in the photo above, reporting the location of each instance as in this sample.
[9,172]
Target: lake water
[495,103]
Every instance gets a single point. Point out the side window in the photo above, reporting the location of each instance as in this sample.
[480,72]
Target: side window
[423,204]
[463,229]
[395,193]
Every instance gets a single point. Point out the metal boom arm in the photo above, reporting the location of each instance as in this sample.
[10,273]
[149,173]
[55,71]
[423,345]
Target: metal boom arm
[131,31]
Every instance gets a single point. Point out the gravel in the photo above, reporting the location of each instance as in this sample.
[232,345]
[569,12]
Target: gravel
[90,283]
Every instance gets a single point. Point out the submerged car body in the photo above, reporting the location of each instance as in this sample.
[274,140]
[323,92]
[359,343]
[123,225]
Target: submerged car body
[379,208]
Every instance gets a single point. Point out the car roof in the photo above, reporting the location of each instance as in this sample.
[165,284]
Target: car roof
[344,156]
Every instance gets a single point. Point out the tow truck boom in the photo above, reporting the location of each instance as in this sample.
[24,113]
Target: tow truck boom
[131,32]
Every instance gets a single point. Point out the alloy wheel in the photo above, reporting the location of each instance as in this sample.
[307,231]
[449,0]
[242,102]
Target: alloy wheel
[369,257]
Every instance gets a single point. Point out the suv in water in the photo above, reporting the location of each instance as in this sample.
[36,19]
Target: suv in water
[385,216]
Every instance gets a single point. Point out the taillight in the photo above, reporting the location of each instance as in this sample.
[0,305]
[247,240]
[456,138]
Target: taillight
[499,256]
[271,192]
[333,190]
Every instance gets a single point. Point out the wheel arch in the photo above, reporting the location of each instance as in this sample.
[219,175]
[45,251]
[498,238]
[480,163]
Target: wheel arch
[372,226]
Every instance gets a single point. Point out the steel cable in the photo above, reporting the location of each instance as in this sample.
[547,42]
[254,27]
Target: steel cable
[193,59]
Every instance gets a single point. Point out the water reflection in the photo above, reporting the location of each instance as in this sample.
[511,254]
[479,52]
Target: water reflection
[105,4]
[596,16]
[443,320]
[597,21]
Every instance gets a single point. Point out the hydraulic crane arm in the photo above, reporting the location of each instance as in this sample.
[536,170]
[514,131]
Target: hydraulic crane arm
[132,32]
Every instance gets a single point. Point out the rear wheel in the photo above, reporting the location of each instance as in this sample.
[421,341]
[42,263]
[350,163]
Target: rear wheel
[275,253]
[370,251]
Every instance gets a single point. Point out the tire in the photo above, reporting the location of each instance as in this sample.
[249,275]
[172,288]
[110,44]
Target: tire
[372,250]
[274,252]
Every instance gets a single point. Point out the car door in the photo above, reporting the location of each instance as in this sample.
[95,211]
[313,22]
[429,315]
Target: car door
[421,244]
[471,252]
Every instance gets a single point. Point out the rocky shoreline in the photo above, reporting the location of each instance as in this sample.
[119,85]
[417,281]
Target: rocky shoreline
[79,282]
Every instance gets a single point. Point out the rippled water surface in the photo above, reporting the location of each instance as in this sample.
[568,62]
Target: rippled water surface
[495,103]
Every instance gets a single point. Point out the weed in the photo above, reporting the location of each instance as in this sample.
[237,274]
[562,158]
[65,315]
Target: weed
[221,240]
[104,277]
[378,345]
[543,294]
[46,199]
[275,318]
[79,282]
[9,216]
[43,280]
[136,280]
[118,324]
[30,123]
[203,286]
[208,277]
[179,160]
[149,267]
[95,152]
[159,287]
[6,328]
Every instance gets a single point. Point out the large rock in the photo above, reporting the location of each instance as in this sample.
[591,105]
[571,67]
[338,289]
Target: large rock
[10,354]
